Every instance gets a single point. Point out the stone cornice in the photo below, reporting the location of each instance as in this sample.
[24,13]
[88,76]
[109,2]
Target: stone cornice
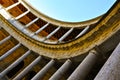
[108,26]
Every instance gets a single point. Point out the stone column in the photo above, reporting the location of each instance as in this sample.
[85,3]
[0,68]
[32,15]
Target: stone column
[30,23]
[4,72]
[83,32]
[21,15]
[83,69]
[9,52]
[40,29]
[111,69]
[5,39]
[27,69]
[59,73]
[43,71]
[53,32]
[12,6]
[65,35]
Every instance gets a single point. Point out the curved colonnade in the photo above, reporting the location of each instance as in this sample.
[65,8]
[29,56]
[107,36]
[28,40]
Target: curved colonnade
[41,30]
[60,51]
[23,27]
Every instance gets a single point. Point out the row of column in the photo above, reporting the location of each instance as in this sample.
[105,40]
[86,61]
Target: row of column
[85,66]
[27,69]
[61,39]
[62,70]
[80,72]
[14,64]
[5,55]
[47,67]
[76,75]
[11,50]
[109,71]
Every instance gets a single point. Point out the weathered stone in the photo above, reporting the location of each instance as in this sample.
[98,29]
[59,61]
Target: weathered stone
[111,69]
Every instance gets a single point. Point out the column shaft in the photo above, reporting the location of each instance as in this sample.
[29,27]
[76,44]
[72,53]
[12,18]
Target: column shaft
[52,33]
[5,39]
[65,35]
[111,69]
[30,23]
[27,69]
[39,30]
[9,52]
[3,73]
[59,73]
[21,15]
[42,72]
[10,7]
[83,32]
[83,69]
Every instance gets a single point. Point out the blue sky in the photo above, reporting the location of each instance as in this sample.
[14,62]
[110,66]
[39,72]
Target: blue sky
[72,10]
